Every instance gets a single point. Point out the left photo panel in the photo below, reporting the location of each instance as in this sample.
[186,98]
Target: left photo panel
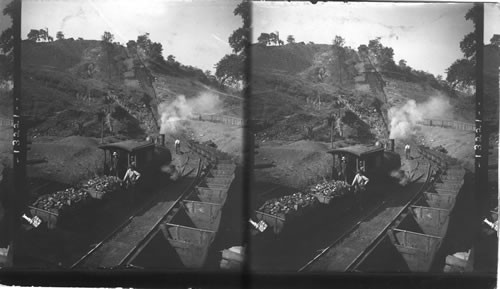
[134,120]
[7,10]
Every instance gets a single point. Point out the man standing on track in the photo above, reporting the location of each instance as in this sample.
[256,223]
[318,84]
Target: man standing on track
[407,151]
[177,146]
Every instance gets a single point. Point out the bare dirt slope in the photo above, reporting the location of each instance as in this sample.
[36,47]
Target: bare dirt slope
[296,164]
[69,159]
[228,139]
[459,144]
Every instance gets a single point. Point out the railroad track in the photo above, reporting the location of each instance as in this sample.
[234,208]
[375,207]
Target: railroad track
[134,251]
[361,256]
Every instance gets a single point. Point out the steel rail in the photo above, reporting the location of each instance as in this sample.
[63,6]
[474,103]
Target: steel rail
[377,239]
[149,236]
[129,220]
[367,251]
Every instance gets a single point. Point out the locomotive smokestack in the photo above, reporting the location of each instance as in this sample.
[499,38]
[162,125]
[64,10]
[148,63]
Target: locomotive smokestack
[391,144]
[162,137]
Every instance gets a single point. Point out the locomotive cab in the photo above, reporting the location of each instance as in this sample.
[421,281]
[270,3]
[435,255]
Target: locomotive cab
[372,158]
[117,157]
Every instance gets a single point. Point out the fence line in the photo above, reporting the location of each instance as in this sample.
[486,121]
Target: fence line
[230,120]
[448,124]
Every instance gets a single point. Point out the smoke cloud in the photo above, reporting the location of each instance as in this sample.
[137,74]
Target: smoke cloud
[405,118]
[182,108]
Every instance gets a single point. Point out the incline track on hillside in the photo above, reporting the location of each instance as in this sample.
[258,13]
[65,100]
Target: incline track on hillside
[94,258]
[360,256]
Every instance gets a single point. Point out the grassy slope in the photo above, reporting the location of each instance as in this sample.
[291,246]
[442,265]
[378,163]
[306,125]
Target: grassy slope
[286,81]
[67,83]
[491,84]
[295,79]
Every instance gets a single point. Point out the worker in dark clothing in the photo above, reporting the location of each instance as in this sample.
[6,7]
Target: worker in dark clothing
[359,184]
[343,168]
[114,164]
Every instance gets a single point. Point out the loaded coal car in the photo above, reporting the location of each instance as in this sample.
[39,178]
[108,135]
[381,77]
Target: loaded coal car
[148,159]
[377,162]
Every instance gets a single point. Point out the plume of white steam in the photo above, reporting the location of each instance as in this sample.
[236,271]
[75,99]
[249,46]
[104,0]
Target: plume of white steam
[404,118]
[182,108]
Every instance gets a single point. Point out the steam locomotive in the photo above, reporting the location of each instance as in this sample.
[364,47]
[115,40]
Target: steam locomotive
[376,162]
[147,156]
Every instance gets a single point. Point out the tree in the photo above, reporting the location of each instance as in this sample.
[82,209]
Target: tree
[264,38]
[34,35]
[375,46]
[468,46]
[386,58]
[155,52]
[44,34]
[229,70]
[11,10]
[131,44]
[290,39]
[59,35]
[171,58]
[107,37]
[402,63]
[495,40]
[338,41]
[338,49]
[363,49]
[239,39]
[7,41]
[143,41]
[462,72]
[107,45]
[274,38]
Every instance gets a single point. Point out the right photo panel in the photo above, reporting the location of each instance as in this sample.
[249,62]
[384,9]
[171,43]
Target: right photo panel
[364,129]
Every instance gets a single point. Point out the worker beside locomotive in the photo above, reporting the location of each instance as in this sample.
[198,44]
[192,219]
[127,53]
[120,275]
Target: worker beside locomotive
[375,162]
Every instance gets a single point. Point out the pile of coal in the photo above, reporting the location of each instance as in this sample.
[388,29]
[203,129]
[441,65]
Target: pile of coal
[104,184]
[289,204]
[61,200]
[332,189]
[210,144]
[440,149]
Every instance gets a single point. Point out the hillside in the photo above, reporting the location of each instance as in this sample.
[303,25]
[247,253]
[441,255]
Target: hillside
[296,86]
[87,88]
[491,83]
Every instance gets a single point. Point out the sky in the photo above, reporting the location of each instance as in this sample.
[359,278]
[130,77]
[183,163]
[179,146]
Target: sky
[491,21]
[427,36]
[196,31]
